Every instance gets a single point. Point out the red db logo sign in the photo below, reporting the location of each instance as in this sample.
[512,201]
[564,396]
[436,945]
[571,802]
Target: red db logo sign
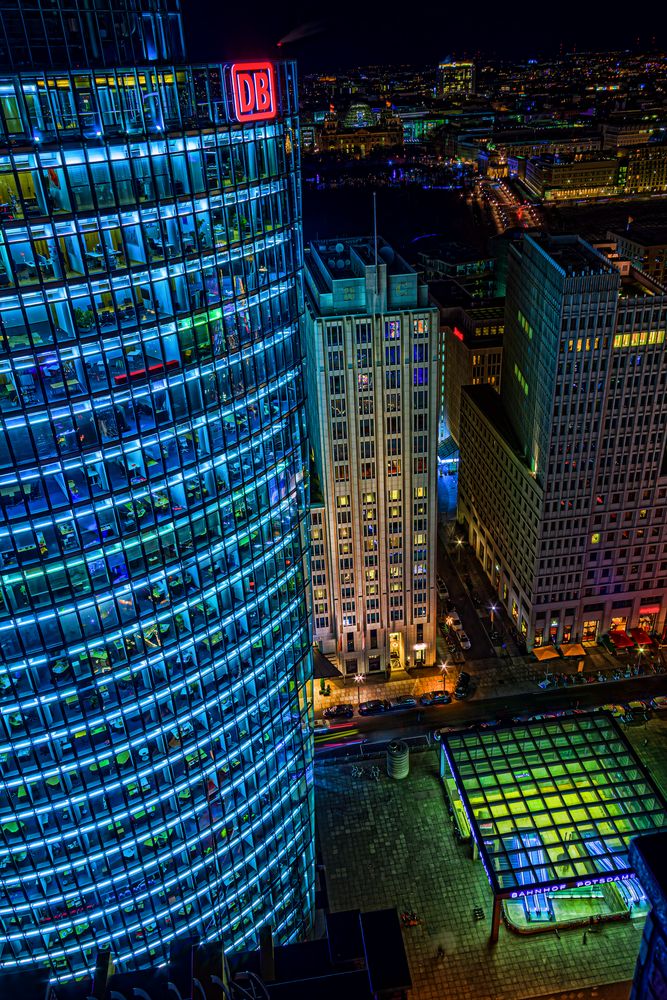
[254,91]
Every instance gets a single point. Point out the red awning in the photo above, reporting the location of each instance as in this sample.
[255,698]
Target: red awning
[621,640]
[641,637]
[650,609]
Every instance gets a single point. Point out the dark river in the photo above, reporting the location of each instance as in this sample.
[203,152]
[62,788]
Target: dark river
[404,215]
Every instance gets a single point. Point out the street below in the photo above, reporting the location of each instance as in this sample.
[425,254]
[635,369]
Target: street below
[415,722]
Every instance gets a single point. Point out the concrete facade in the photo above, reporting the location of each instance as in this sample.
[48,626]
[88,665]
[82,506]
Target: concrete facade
[371,340]
[581,417]
[471,352]
[646,249]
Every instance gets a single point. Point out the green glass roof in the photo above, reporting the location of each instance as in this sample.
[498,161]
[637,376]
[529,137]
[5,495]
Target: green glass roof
[553,802]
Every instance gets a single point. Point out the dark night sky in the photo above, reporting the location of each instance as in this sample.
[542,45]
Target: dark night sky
[362,31]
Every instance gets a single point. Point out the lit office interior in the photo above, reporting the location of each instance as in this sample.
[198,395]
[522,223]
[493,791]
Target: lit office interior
[154,652]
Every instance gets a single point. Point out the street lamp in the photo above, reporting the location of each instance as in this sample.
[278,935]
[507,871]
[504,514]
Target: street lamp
[443,670]
[459,543]
[640,652]
[358,680]
[492,608]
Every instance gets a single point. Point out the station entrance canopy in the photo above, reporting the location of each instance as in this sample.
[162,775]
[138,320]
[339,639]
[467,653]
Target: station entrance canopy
[552,803]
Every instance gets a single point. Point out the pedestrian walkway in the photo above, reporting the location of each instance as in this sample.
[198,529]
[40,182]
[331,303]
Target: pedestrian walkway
[389,843]
[492,678]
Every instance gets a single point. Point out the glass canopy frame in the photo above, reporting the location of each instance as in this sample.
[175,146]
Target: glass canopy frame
[553,803]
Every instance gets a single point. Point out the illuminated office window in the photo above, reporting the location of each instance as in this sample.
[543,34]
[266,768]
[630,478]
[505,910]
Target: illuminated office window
[154,650]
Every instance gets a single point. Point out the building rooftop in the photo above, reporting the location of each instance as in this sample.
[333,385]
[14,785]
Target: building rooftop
[451,251]
[573,255]
[554,802]
[491,312]
[636,284]
[341,278]
[645,236]
[348,256]
[447,293]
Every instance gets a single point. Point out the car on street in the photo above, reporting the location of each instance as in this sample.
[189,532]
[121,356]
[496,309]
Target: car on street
[659,703]
[320,726]
[462,686]
[374,707]
[403,701]
[435,698]
[464,640]
[441,589]
[338,712]
[454,621]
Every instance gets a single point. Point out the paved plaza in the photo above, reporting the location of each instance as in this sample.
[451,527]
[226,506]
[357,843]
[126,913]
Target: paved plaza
[387,843]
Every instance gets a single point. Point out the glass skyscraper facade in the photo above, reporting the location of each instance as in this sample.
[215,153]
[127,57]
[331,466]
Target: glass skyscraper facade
[155,763]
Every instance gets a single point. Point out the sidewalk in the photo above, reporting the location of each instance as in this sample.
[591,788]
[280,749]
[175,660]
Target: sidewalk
[612,991]
[510,675]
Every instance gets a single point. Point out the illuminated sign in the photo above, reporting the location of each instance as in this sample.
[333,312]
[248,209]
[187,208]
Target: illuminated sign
[580,884]
[254,91]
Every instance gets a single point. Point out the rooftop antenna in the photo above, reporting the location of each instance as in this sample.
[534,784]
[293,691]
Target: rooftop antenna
[375,242]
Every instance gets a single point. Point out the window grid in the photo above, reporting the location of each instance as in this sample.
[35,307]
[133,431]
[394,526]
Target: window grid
[553,803]
[154,653]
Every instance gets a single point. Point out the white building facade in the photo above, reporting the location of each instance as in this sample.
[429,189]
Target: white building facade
[371,342]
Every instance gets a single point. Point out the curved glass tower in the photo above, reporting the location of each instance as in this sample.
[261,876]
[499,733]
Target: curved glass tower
[155,778]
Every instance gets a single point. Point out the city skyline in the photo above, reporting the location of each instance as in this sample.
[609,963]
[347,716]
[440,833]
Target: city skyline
[333,456]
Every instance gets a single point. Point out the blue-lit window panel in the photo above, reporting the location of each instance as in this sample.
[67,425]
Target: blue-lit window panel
[154,654]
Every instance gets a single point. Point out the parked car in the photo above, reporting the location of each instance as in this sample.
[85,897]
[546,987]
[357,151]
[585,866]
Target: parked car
[454,621]
[462,686]
[464,640]
[659,703]
[338,712]
[435,698]
[320,726]
[374,707]
[403,701]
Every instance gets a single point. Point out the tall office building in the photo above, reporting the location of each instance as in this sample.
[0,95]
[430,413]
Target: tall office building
[154,642]
[372,353]
[563,476]
[455,78]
